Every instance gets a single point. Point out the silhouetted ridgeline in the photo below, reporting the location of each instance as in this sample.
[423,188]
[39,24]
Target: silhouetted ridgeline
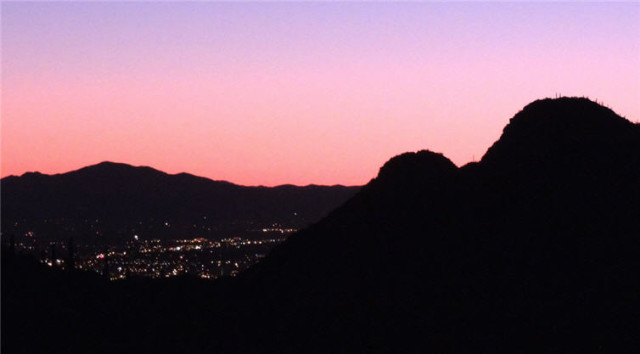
[533,249]
[126,200]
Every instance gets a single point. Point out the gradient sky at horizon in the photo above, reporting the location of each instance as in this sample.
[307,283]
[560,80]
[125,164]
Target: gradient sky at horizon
[275,93]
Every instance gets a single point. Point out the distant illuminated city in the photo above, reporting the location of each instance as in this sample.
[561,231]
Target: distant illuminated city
[155,258]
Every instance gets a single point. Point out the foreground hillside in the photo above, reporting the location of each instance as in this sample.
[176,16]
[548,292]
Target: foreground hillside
[533,249]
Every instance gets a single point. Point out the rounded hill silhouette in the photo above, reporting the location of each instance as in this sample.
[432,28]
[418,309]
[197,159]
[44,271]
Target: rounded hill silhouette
[417,166]
[557,134]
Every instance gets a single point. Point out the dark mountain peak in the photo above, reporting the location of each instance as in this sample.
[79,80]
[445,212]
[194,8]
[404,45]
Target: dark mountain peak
[108,168]
[34,174]
[422,166]
[571,115]
[107,164]
[563,132]
[31,177]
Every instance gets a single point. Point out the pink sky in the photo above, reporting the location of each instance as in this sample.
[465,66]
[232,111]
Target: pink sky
[267,94]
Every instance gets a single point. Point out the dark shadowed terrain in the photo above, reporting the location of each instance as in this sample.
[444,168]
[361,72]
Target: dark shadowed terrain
[533,249]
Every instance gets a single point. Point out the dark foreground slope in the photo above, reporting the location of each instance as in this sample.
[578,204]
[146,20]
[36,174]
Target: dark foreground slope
[533,249]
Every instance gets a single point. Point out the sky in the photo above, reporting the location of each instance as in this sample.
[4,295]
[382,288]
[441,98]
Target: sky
[303,93]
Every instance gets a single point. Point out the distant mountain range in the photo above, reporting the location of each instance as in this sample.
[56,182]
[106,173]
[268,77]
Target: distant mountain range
[120,200]
[535,248]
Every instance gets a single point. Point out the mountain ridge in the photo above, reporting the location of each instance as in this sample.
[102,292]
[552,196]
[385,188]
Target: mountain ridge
[142,199]
[111,164]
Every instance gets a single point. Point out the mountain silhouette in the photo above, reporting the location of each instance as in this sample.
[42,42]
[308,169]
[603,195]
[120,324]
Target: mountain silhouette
[535,248]
[124,198]
[553,135]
